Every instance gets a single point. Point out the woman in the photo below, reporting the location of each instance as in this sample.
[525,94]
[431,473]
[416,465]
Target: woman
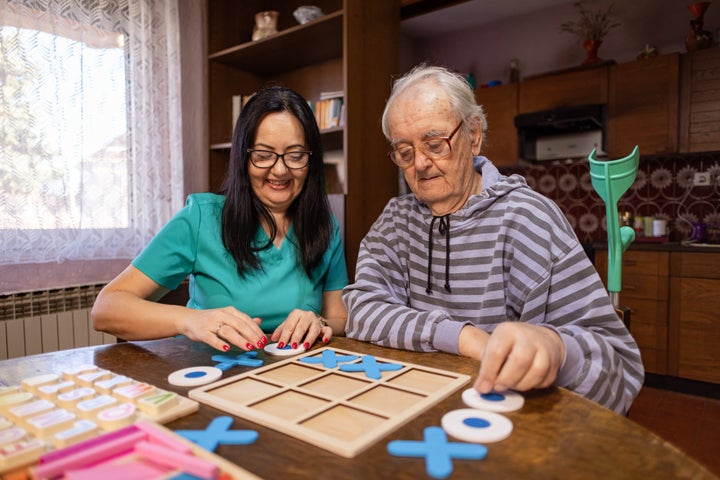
[264,256]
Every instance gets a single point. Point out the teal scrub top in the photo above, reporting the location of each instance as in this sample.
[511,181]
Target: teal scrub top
[190,244]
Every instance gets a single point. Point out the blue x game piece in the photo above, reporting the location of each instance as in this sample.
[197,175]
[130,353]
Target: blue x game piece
[370,366]
[245,359]
[217,433]
[329,359]
[438,452]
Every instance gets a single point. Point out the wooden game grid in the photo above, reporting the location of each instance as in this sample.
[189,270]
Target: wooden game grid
[342,412]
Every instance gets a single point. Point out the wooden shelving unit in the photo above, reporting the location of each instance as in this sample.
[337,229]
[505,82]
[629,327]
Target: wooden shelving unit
[353,48]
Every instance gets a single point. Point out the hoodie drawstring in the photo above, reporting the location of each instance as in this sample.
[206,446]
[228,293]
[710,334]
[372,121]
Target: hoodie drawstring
[444,229]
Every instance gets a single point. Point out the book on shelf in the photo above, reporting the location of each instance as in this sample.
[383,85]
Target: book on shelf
[329,95]
[329,110]
[238,101]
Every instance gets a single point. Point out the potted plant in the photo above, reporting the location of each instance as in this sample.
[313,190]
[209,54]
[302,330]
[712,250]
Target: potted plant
[592,28]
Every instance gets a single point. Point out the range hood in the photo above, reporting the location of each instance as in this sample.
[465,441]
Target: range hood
[562,133]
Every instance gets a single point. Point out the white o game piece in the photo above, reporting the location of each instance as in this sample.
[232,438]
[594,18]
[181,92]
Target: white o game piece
[471,425]
[194,376]
[507,401]
[273,349]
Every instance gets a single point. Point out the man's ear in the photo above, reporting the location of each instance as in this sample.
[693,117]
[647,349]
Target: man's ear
[477,139]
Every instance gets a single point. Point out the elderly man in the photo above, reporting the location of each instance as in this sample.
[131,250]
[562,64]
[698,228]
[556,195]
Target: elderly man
[476,263]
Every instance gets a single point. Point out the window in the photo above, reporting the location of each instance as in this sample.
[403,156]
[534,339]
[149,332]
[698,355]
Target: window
[64,132]
[90,142]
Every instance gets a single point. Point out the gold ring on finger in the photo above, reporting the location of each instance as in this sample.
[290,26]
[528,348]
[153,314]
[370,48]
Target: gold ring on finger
[217,329]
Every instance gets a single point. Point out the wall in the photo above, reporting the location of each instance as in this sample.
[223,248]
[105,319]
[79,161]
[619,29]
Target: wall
[662,187]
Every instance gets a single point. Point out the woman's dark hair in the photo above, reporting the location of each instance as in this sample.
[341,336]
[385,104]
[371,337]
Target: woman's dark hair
[309,213]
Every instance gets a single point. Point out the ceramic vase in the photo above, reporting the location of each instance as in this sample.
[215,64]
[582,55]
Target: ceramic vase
[697,38]
[591,48]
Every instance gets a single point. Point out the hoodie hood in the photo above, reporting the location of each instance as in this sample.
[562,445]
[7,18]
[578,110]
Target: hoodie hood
[494,185]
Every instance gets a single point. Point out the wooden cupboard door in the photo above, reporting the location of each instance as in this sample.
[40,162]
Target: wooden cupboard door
[501,106]
[695,329]
[572,88]
[643,106]
[645,294]
[700,101]
[649,328]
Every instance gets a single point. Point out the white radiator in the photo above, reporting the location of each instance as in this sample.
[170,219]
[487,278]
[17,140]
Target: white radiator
[47,321]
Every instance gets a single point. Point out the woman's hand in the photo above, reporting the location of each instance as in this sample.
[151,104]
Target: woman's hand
[220,326]
[302,327]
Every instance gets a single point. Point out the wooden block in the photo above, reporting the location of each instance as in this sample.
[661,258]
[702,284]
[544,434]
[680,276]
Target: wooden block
[81,430]
[158,403]
[107,386]
[31,384]
[48,423]
[22,412]
[52,390]
[71,398]
[21,453]
[89,379]
[72,373]
[121,415]
[88,409]
[14,399]
[132,393]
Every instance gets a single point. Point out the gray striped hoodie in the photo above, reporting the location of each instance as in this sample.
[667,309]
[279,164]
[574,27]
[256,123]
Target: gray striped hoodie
[508,255]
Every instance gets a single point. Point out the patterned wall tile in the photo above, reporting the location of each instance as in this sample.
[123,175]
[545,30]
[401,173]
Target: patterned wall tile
[663,189]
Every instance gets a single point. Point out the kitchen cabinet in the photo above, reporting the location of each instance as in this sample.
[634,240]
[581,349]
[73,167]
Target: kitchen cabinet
[582,86]
[700,101]
[501,106]
[645,293]
[694,347]
[643,106]
[352,48]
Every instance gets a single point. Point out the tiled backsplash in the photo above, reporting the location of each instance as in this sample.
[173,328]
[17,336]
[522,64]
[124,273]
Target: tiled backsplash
[663,189]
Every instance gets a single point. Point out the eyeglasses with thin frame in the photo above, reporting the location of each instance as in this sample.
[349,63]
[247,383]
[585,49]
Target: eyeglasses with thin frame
[434,148]
[295,160]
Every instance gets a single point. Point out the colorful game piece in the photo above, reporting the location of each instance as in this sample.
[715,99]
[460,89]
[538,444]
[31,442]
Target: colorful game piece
[218,433]
[133,392]
[329,359]
[245,359]
[62,412]
[507,401]
[31,384]
[89,408]
[370,366]
[194,376]
[118,416]
[51,422]
[80,431]
[158,403]
[168,457]
[477,426]
[14,399]
[438,452]
[285,351]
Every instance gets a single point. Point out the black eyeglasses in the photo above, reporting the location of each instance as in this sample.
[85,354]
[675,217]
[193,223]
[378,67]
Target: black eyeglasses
[268,159]
[434,148]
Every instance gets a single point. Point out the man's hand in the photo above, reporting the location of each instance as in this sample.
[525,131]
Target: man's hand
[516,356]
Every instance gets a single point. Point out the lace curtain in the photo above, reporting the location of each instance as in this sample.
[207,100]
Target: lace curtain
[90,127]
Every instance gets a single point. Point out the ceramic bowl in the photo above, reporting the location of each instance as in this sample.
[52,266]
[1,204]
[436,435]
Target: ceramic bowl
[307,13]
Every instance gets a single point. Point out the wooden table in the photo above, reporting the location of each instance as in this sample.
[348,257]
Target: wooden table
[557,434]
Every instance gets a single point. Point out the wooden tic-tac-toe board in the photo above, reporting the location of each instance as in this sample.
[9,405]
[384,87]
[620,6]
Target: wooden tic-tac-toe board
[311,397]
